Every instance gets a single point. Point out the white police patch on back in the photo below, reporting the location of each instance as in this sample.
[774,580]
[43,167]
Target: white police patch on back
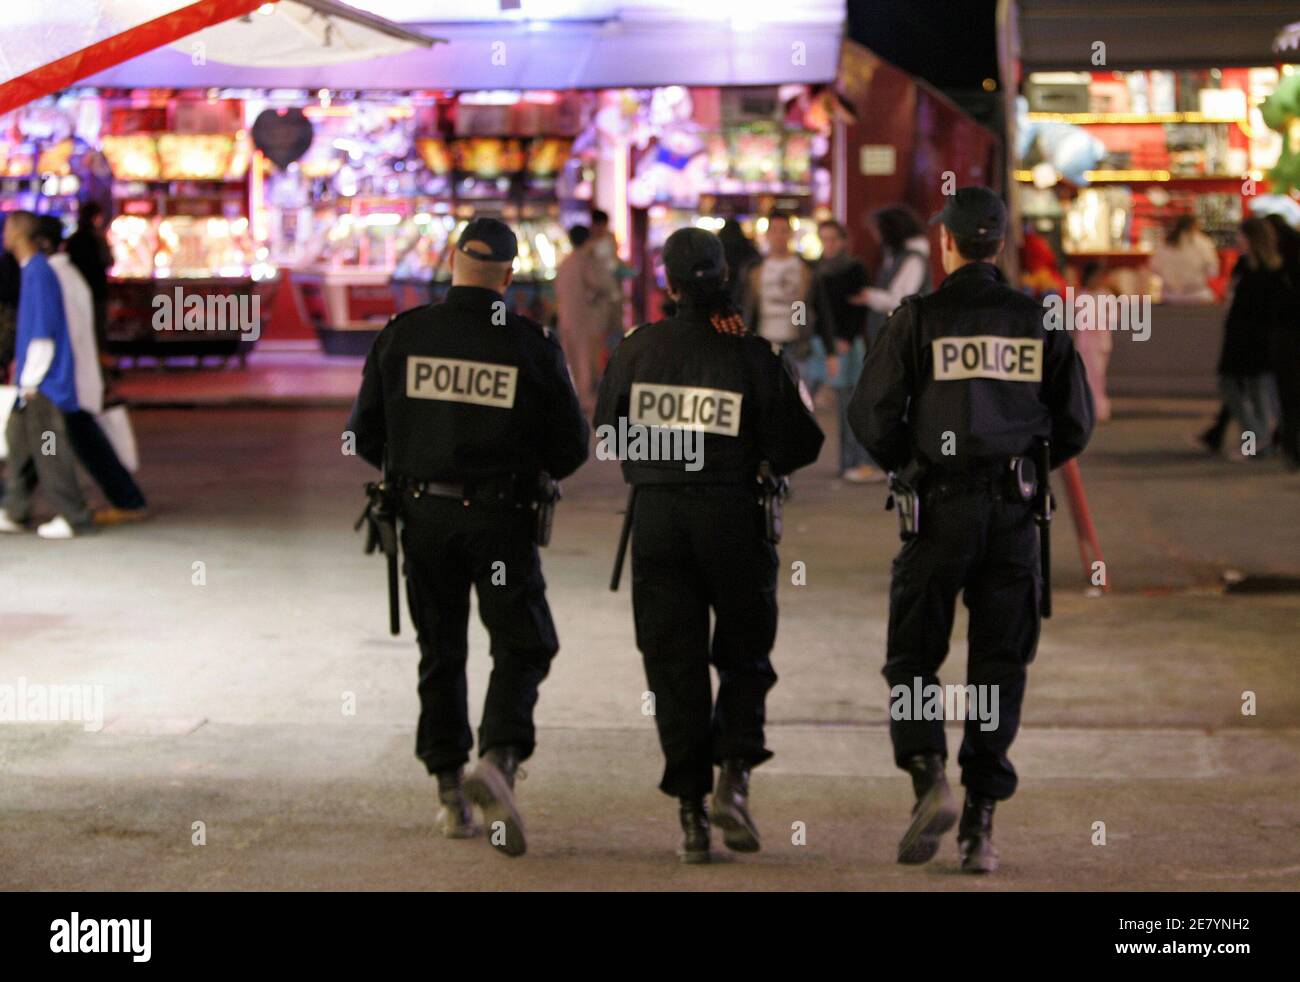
[988,356]
[453,380]
[686,407]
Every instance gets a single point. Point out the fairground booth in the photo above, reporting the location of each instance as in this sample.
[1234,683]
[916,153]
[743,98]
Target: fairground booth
[328,175]
[1123,124]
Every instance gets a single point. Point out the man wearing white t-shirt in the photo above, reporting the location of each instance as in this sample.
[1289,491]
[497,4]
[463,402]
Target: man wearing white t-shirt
[775,304]
[92,447]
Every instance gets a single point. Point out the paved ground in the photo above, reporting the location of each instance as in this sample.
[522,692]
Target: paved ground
[224,702]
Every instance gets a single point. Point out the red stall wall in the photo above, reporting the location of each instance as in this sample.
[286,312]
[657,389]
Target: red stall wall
[930,137]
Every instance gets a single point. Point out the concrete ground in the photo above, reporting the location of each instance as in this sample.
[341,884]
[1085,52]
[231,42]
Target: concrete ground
[225,702]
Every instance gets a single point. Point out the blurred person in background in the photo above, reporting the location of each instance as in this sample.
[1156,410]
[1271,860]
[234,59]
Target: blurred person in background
[10,277]
[1094,340]
[1245,381]
[904,267]
[741,254]
[777,296]
[842,330]
[92,446]
[1040,272]
[89,252]
[602,275]
[1284,343]
[904,270]
[39,449]
[1186,262]
[579,315]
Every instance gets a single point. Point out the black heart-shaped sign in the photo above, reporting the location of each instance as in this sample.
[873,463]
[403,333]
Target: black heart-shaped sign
[282,134]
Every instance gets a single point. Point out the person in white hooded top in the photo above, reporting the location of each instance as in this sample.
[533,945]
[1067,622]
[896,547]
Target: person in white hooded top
[89,442]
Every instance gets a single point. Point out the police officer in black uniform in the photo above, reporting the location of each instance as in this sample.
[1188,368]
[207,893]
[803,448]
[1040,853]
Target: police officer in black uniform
[466,405]
[699,531]
[961,388]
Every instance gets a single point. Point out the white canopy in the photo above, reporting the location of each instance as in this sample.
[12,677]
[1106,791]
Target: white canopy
[47,46]
[300,32]
[551,44]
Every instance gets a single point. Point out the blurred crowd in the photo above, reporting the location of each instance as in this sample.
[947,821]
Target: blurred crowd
[821,315]
[1259,362]
[53,415]
[1258,367]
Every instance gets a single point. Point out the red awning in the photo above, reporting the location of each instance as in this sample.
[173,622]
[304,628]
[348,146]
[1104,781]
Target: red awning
[117,48]
[47,49]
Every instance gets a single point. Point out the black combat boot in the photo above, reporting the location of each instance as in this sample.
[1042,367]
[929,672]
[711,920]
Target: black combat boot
[731,808]
[975,835]
[934,812]
[491,787]
[695,829]
[455,818]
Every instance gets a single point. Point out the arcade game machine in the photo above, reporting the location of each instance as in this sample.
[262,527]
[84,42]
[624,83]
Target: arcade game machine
[369,204]
[543,241]
[49,158]
[514,179]
[50,178]
[180,228]
[742,172]
[423,253]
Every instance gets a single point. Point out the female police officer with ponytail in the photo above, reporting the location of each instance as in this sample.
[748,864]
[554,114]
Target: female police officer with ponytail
[700,541]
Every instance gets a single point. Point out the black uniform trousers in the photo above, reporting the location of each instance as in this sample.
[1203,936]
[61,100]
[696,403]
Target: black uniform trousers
[979,542]
[449,548]
[697,548]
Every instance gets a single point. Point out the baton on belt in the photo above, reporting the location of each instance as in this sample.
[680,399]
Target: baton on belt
[623,536]
[1043,519]
[380,519]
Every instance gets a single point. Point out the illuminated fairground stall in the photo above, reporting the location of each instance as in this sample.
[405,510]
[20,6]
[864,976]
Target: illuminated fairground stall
[172,174]
[1108,161]
[702,156]
[364,217]
[339,186]
[180,217]
[50,159]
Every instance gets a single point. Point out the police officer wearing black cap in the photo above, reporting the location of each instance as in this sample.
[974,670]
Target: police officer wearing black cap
[955,399]
[467,406]
[700,540]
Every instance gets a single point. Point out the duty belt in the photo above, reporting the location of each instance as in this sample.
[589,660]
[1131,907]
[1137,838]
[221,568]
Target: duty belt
[949,485]
[538,497]
[983,475]
[502,489]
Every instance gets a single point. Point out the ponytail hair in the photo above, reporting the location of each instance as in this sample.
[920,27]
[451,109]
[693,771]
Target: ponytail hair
[707,292]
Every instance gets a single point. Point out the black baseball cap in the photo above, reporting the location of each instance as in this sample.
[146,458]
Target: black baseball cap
[974,213]
[496,237]
[694,253]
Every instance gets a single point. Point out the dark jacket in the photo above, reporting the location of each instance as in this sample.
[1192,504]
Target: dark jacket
[835,280]
[970,368]
[92,257]
[1258,298]
[740,393]
[463,391]
[10,284]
